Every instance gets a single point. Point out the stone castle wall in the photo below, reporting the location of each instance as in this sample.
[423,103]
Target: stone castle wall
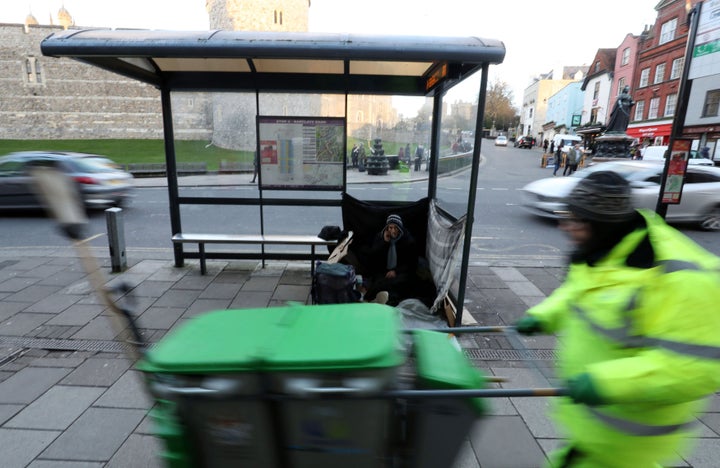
[47,98]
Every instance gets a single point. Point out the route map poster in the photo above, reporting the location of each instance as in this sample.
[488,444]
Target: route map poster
[676,171]
[301,153]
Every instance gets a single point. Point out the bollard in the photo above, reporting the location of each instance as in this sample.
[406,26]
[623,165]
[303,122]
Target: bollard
[116,238]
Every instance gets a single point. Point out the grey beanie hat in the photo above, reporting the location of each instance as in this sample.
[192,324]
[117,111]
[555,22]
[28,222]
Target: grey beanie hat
[603,196]
[396,220]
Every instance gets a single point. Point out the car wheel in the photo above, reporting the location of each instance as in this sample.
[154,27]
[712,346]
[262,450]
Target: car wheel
[711,220]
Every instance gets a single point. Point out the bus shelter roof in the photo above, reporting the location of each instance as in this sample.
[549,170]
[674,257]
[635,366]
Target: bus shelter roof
[279,62]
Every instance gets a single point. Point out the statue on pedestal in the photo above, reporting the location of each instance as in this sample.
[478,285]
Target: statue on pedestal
[620,115]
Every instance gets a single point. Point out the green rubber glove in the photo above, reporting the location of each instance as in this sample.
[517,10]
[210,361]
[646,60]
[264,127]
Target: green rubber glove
[528,325]
[582,390]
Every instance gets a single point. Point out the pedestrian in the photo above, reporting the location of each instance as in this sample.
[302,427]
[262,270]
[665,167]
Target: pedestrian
[545,145]
[401,154]
[256,164]
[362,158]
[571,160]
[552,147]
[419,152]
[354,155]
[558,158]
[640,348]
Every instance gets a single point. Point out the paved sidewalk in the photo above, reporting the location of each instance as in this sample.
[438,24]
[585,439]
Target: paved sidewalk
[69,396]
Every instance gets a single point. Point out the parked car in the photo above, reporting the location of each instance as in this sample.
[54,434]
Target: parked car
[501,140]
[525,142]
[700,202]
[100,181]
[657,153]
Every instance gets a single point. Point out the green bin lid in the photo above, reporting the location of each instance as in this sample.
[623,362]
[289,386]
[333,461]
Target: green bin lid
[441,364]
[337,337]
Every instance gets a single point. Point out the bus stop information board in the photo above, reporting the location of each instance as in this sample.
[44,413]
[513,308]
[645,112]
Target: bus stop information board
[301,153]
[676,171]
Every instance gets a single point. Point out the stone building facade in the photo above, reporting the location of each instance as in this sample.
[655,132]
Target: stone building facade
[47,98]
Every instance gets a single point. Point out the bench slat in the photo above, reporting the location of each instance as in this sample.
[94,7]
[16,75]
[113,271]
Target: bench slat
[274,239]
[289,239]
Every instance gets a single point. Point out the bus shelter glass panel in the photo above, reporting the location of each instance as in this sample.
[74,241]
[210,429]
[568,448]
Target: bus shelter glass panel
[214,137]
[384,134]
[457,140]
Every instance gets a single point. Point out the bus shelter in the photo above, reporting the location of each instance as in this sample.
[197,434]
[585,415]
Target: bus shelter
[255,94]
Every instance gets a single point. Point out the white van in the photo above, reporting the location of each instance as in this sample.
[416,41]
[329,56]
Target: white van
[566,140]
[657,153]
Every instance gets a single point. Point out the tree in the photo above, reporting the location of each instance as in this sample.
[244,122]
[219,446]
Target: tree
[499,109]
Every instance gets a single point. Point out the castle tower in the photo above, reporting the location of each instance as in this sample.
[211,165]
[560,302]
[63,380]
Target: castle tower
[259,15]
[64,17]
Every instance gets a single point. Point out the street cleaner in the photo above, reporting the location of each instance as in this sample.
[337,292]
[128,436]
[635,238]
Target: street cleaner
[638,326]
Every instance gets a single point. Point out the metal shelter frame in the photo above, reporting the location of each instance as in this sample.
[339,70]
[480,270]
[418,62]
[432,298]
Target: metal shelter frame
[218,61]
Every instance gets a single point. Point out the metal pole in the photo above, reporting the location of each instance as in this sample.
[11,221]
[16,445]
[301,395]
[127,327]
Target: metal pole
[172,182]
[682,104]
[116,239]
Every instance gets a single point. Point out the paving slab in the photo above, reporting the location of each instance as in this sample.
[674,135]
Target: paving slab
[20,446]
[128,391]
[95,435]
[56,409]
[29,383]
[97,372]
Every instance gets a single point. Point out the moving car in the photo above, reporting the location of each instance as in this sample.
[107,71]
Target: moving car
[525,142]
[100,181]
[501,140]
[700,202]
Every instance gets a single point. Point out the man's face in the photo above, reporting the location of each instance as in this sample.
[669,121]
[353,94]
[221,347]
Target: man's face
[393,230]
[579,231]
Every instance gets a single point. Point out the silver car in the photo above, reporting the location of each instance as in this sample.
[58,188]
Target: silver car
[100,181]
[700,201]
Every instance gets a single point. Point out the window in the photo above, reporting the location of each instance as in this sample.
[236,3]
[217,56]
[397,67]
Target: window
[621,84]
[667,31]
[278,17]
[639,109]
[596,92]
[33,73]
[593,114]
[712,102]
[677,67]
[597,66]
[659,73]
[644,77]
[654,106]
[625,56]
[670,103]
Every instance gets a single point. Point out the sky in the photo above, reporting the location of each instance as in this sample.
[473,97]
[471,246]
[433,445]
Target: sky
[539,35]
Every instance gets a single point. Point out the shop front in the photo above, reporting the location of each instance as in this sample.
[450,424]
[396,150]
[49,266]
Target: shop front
[655,134]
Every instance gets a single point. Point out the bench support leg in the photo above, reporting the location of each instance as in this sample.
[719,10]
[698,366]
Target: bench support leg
[201,251]
[312,261]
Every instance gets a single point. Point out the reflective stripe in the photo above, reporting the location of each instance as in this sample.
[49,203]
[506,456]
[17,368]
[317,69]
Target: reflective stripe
[696,350]
[639,429]
[623,337]
[672,266]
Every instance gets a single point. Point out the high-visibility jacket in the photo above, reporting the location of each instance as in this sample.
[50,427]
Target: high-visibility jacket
[649,338]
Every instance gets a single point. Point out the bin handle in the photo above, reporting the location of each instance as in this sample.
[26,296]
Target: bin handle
[213,388]
[352,386]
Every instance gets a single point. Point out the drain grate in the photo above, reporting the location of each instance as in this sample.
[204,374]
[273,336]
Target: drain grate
[65,345]
[510,354]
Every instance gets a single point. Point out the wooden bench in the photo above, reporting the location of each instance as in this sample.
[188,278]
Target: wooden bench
[266,239]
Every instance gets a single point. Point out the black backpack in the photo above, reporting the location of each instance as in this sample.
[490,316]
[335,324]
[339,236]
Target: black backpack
[334,283]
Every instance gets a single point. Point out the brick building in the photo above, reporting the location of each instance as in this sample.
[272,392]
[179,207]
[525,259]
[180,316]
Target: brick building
[660,60]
